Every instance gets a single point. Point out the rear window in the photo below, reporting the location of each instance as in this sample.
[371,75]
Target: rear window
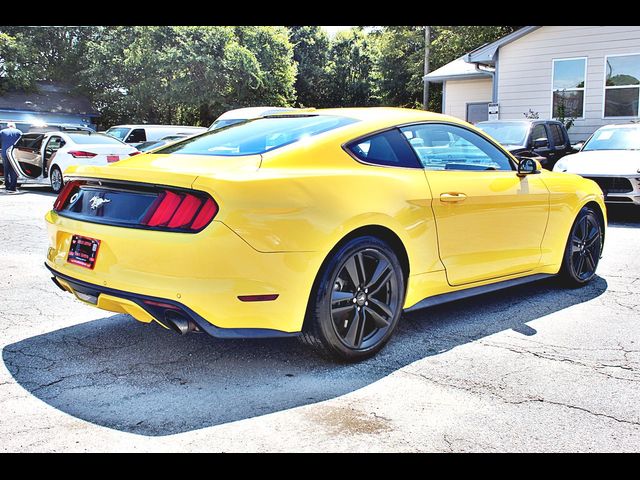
[257,136]
[93,138]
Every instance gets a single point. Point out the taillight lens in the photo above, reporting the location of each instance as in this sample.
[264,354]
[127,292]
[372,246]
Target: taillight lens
[64,194]
[177,210]
[82,154]
[135,153]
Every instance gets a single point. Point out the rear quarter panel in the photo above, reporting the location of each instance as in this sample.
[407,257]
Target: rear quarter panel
[308,198]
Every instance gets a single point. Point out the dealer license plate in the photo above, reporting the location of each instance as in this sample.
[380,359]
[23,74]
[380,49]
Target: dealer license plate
[83,251]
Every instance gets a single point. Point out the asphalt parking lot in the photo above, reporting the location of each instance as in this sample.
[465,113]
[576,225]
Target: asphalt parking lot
[532,368]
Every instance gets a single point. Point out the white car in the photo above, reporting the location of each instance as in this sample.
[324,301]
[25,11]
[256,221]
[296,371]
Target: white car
[41,158]
[137,134]
[611,158]
[242,114]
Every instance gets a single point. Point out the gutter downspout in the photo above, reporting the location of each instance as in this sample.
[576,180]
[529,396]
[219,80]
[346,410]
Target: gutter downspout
[494,79]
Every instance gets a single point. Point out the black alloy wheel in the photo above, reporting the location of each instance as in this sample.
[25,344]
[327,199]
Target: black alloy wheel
[584,246]
[358,302]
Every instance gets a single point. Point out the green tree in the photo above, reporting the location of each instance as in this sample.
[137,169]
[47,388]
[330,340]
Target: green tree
[311,52]
[350,70]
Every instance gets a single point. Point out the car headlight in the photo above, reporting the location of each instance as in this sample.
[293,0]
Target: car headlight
[560,166]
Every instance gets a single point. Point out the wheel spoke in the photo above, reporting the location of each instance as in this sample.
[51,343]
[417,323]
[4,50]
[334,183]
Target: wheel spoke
[579,265]
[585,228]
[381,268]
[382,306]
[338,310]
[355,327]
[377,318]
[363,320]
[382,283]
[362,275]
[589,263]
[337,297]
[351,269]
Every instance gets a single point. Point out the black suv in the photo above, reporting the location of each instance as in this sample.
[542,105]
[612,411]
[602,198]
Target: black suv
[545,140]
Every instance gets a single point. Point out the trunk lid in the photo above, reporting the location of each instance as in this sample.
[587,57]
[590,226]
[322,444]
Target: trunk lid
[175,169]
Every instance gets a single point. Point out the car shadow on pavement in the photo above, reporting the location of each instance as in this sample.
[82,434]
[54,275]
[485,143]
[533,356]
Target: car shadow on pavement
[139,378]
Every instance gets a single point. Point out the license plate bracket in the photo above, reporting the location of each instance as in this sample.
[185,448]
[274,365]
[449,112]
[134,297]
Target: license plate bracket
[83,251]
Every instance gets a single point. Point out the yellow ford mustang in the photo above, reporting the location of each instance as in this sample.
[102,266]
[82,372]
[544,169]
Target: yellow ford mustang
[322,224]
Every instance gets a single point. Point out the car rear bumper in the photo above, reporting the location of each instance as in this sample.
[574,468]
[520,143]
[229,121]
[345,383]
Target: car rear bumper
[202,275]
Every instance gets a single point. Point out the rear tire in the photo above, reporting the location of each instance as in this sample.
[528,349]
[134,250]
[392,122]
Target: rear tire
[357,301]
[57,182]
[583,249]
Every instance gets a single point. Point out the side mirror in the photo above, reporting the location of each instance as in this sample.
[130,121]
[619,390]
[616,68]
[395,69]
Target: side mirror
[540,143]
[578,146]
[528,166]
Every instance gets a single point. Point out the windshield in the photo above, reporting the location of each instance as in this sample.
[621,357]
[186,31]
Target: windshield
[507,133]
[119,132]
[257,136]
[626,138]
[225,123]
[93,138]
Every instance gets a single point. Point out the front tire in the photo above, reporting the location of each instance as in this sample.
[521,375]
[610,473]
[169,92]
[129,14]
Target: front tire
[56,179]
[357,301]
[583,249]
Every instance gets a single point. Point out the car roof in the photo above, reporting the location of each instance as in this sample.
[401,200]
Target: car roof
[253,112]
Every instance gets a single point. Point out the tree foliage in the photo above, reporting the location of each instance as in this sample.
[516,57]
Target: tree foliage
[189,75]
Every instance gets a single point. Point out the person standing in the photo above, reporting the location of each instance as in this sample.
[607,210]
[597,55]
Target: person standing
[8,137]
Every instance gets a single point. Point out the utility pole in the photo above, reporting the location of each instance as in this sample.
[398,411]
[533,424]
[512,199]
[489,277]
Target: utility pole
[427,45]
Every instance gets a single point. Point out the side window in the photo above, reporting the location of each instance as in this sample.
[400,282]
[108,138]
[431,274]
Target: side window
[137,135]
[537,132]
[449,147]
[556,134]
[387,148]
[54,144]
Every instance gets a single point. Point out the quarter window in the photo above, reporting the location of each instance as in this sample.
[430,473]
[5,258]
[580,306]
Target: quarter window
[622,86]
[568,87]
[449,147]
[387,148]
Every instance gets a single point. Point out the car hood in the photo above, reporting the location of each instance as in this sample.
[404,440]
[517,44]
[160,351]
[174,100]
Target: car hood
[178,170]
[602,162]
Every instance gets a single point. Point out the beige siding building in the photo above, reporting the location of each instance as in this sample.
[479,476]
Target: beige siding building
[592,73]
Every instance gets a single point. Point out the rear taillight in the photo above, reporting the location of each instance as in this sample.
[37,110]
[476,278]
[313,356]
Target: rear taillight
[82,154]
[177,210]
[64,194]
[135,153]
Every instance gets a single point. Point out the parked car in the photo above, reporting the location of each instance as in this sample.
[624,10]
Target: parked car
[319,225]
[136,134]
[243,114]
[59,127]
[545,140]
[41,158]
[611,158]
[147,146]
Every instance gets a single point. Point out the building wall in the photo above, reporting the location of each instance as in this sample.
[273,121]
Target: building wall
[24,119]
[460,92]
[525,68]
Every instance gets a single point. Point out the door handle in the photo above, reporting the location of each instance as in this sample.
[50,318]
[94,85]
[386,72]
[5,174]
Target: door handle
[452,197]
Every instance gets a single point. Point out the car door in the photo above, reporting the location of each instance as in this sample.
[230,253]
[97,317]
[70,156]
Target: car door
[52,146]
[490,222]
[539,133]
[561,144]
[27,155]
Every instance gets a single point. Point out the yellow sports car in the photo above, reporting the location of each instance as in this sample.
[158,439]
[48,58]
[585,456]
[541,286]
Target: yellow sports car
[322,224]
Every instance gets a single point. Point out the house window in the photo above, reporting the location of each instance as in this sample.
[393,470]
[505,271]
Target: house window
[622,85]
[568,87]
